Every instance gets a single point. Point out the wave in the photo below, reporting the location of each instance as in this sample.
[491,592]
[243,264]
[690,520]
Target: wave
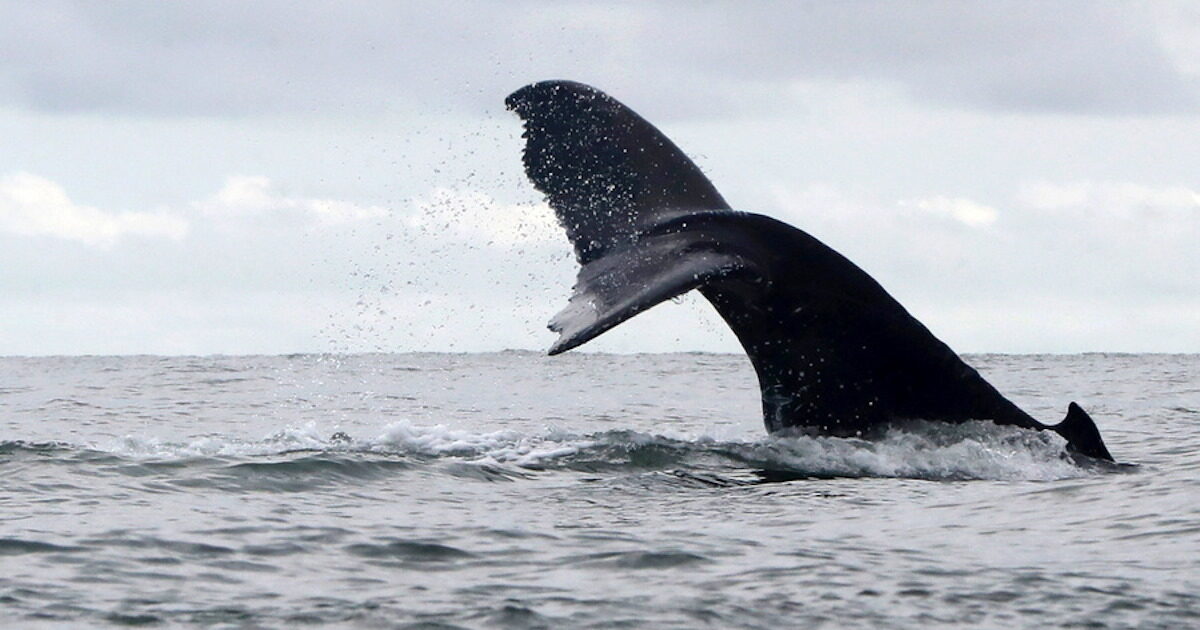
[918,450]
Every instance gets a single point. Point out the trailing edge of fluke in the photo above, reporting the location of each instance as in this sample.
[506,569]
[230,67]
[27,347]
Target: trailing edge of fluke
[833,351]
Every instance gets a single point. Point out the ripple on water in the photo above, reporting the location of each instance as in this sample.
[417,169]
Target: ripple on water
[409,551]
[483,492]
[17,546]
[638,559]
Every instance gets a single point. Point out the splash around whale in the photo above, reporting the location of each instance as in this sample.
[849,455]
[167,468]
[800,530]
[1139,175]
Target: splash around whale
[833,351]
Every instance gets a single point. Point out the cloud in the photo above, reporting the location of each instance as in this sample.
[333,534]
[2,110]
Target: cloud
[1178,24]
[226,58]
[460,269]
[964,211]
[1137,241]
[253,196]
[35,206]
[1121,198]
[1099,264]
[1069,57]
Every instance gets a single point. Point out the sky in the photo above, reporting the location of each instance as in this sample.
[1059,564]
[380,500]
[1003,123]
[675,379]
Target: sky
[277,177]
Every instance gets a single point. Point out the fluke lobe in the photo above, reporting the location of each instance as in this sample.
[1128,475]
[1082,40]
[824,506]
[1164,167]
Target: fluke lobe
[832,349]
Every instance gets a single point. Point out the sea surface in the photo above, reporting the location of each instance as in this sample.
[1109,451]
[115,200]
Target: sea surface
[514,490]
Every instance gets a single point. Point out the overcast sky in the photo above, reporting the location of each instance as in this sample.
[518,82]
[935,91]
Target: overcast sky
[233,177]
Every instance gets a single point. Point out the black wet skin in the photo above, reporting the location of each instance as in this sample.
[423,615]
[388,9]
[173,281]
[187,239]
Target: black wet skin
[833,351]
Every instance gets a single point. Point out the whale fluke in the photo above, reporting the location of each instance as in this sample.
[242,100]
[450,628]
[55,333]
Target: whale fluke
[833,351]
[607,172]
[617,286]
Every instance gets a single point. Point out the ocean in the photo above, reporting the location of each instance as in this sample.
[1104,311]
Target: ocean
[514,490]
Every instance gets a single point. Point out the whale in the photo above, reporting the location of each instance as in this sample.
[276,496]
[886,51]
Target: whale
[834,353]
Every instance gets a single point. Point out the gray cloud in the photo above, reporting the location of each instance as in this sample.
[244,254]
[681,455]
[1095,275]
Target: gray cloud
[909,136]
[1029,56]
[338,59]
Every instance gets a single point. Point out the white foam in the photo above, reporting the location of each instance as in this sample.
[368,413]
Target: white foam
[498,446]
[920,450]
[306,437]
[976,450]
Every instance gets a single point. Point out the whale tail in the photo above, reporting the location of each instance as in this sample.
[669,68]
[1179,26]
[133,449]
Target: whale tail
[831,348]
[1081,434]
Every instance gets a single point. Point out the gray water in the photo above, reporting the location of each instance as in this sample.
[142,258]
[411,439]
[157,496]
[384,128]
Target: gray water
[513,490]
